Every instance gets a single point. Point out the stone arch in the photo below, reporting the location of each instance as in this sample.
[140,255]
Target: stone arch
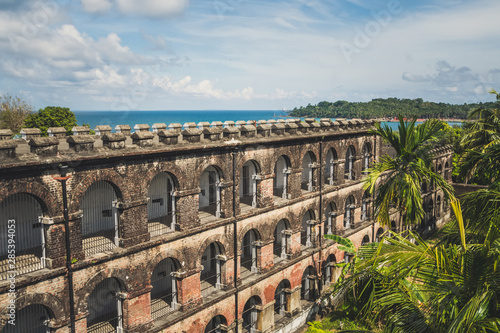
[260,297]
[54,306]
[50,203]
[172,171]
[365,240]
[82,295]
[217,164]
[109,176]
[251,226]
[249,158]
[165,254]
[287,216]
[218,239]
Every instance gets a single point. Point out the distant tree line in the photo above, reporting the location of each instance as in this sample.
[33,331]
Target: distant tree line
[388,107]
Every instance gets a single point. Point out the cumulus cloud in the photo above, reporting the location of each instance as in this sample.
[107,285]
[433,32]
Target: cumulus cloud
[445,75]
[150,8]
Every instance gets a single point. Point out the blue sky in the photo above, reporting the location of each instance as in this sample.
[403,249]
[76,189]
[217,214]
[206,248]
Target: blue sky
[246,54]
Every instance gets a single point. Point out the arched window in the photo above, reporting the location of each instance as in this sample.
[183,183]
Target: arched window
[440,170]
[349,173]
[394,227]
[105,307]
[308,167]
[365,206]
[281,300]
[367,155]
[379,236]
[331,167]
[447,170]
[251,314]
[349,212]
[100,220]
[164,292]
[366,240]
[306,234]
[161,205]
[21,221]
[309,288]
[331,218]
[328,273]
[218,324]
[210,196]
[33,318]
[249,253]
[248,184]
[281,242]
[280,181]
[212,261]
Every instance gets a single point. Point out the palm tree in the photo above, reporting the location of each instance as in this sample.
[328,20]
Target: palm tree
[423,288]
[484,133]
[399,179]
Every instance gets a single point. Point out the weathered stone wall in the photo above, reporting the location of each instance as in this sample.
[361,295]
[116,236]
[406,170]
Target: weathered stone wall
[130,169]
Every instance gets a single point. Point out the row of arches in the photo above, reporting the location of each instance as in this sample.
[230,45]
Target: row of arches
[100,223]
[105,308]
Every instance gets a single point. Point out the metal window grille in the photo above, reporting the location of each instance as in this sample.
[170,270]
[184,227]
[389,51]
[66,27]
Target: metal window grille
[211,193]
[250,316]
[308,289]
[211,274]
[20,216]
[161,206]
[105,308]
[100,218]
[32,319]
[280,241]
[217,325]
[164,292]
[248,193]
[249,252]
[280,299]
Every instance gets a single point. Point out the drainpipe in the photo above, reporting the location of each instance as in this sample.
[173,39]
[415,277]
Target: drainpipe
[235,240]
[320,182]
[62,170]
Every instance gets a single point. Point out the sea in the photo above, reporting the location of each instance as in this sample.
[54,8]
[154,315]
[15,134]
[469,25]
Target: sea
[113,118]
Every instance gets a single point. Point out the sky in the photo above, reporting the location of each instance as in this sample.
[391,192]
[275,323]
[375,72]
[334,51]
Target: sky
[246,54]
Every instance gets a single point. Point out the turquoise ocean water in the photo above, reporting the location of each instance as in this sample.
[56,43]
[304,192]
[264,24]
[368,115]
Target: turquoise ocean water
[113,118]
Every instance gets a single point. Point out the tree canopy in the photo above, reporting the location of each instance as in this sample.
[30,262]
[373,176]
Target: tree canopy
[13,112]
[387,107]
[52,116]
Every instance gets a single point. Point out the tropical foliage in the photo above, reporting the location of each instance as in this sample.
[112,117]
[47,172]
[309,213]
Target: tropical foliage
[400,179]
[388,107]
[13,112]
[52,116]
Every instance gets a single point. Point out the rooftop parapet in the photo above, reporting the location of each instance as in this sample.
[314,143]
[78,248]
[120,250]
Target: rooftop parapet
[163,135]
[57,132]
[141,128]
[81,130]
[29,133]
[125,129]
[46,146]
[159,127]
[102,130]
[6,134]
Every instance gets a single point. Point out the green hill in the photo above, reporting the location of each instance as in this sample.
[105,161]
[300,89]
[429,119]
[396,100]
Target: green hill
[389,107]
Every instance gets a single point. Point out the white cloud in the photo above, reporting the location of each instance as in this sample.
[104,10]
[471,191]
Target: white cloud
[149,8]
[97,6]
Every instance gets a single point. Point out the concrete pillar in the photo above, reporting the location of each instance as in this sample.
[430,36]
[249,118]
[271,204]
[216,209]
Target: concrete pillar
[187,205]
[265,256]
[265,191]
[133,224]
[265,317]
[189,289]
[137,310]
[294,300]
